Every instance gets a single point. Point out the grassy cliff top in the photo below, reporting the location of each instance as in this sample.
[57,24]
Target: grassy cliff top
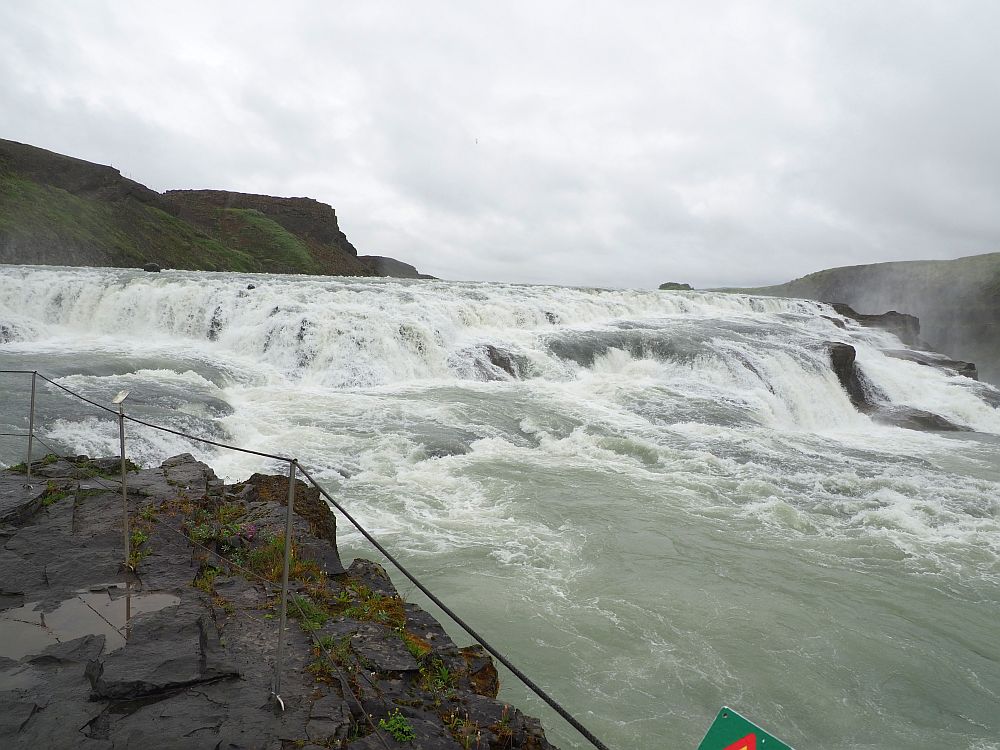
[59,210]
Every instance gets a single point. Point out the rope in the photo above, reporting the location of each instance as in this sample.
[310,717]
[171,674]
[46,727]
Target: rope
[77,395]
[528,682]
[285,459]
[345,685]
[465,626]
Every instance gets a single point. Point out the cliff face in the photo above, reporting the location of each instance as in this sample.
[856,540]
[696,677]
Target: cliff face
[289,235]
[59,210]
[957,301]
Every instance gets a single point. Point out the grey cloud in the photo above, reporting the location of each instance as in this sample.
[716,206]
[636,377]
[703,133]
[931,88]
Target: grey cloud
[722,143]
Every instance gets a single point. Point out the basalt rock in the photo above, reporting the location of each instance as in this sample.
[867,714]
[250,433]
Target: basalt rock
[380,265]
[913,419]
[905,327]
[271,492]
[842,357]
[152,267]
[931,359]
[501,359]
[868,399]
[193,666]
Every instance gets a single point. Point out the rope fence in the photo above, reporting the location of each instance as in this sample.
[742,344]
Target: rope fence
[250,575]
[293,467]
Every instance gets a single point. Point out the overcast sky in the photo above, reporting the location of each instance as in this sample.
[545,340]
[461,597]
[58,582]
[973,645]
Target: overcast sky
[611,144]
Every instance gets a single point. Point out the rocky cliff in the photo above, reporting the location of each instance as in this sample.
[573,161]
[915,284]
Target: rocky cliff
[58,210]
[957,301]
[179,650]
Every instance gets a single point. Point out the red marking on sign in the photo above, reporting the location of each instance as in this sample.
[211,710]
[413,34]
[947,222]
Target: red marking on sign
[746,743]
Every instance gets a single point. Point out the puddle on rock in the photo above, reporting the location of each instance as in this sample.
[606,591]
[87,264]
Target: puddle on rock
[19,676]
[28,630]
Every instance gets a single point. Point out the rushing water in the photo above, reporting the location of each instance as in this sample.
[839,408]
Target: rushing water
[671,506]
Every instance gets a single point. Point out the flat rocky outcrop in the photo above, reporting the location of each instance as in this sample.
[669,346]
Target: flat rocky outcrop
[178,651]
[932,359]
[869,399]
[905,327]
[380,265]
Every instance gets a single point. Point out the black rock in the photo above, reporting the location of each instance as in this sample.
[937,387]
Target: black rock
[174,648]
[153,267]
[382,650]
[868,399]
[500,358]
[914,419]
[905,327]
[842,357]
[197,660]
[931,359]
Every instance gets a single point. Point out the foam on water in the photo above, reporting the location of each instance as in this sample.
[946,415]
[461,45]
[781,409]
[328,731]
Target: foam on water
[673,505]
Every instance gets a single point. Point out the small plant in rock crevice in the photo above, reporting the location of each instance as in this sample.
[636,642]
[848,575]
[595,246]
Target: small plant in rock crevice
[417,646]
[53,494]
[138,546]
[310,615]
[398,726]
[436,677]
[502,728]
[89,470]
[205,580]
[374,607]
[464,730]
[22,468]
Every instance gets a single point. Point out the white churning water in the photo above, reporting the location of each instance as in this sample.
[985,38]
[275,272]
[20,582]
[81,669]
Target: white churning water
[655,502]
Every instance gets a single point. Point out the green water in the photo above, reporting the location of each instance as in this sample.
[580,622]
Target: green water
[671,504]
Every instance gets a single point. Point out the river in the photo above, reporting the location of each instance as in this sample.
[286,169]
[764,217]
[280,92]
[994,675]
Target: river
[656,503]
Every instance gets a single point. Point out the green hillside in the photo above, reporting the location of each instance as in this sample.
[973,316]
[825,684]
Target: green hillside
[59,210]
[47,224]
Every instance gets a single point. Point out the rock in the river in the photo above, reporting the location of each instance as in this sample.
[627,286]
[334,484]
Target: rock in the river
[913,419]
[842,357]
[868,399]
[905,327]
[931,359]
[675,286]
[503,360]
[153,267]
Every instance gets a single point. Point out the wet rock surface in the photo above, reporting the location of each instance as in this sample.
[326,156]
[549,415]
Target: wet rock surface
[180,652]
[868,399]
[932,359]
[842,357]
[905,327]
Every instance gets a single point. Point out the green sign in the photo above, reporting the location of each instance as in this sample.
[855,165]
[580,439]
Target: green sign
[730,731]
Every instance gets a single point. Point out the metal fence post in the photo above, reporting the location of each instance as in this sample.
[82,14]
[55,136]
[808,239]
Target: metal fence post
[120,399]
[31,426]
[284,582]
